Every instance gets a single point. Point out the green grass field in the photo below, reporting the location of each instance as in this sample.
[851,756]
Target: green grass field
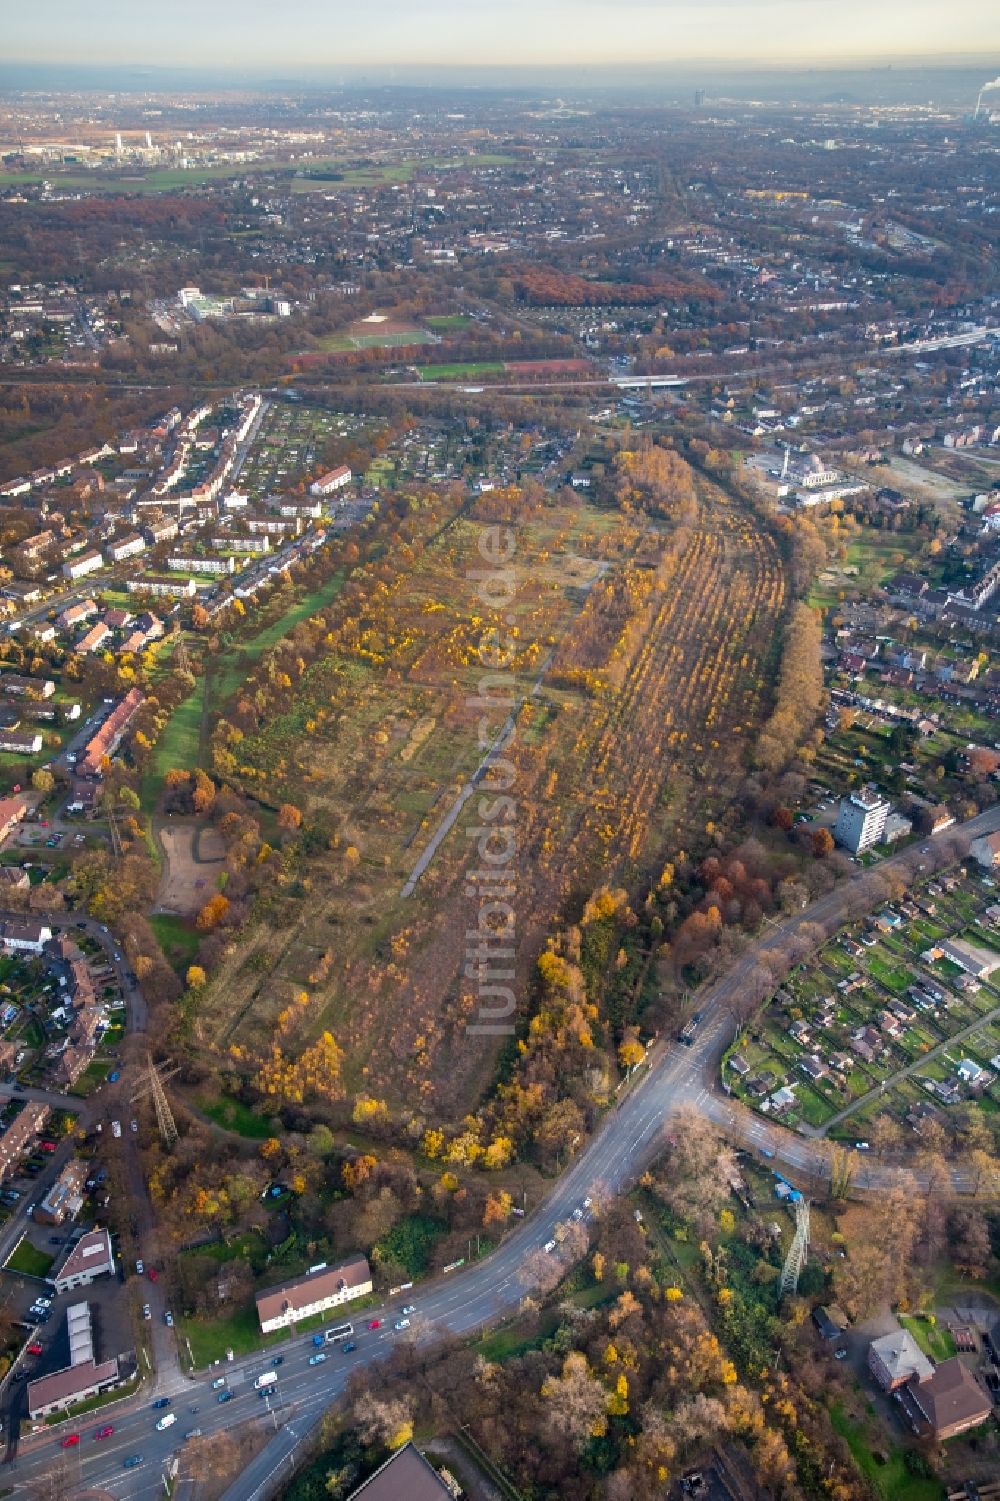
[176,937]
[393,341]
[448,322]
[461,372]
[178,746]
[892,1480]
[28,1259]
[935,1341]
[159,180]
[233,1115]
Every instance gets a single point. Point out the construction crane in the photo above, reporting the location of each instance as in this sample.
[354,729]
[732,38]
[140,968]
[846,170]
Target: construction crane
[797,1251]
[153,1078]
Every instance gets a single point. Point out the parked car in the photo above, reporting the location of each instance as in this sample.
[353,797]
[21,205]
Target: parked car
[410,1308]
[152,1273]
[168,1319]
[147,1312]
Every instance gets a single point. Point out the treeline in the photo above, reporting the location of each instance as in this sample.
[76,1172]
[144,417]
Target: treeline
[544,286]
[800,691]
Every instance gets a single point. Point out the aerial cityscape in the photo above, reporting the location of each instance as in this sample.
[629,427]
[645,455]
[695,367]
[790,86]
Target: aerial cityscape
[500,752]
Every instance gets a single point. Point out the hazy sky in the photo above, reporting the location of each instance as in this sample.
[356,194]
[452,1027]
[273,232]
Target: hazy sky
[347,33]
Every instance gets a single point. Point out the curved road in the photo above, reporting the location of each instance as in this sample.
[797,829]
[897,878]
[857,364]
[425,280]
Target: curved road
[626,1143]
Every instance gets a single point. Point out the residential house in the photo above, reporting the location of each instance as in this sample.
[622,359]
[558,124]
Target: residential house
[64,1199]
[331,481]
[407,1474]
[78,568]
[316,1292]
[89,1258]
[26,935]
[20,742]
[84,1377]
[125,547]
[158,586]
[947,1402]
[12,811]
[94,639]
[896,1358]
[986,850]
[20,1133]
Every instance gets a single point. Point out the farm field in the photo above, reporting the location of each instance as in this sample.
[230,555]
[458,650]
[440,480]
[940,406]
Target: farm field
[626,738]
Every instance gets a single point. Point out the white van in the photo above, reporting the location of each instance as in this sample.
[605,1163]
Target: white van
[167,1421]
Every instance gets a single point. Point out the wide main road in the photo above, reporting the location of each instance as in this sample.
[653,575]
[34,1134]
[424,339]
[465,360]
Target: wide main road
[628,1140]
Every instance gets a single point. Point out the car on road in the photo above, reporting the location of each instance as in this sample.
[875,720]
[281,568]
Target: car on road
[132,1461]
[577,1213]
[218,1383]
[351,1345]
[168,1319]
[840,1354]
[161,1402]
[116,1130]
[374,1323]
[152,1273]
[401,1324]
[34,1348]
[550,1245]
[410,1308]
[70,1441]
[139,1268]
[104,1432]
[193,1433]
[167,1421]
[134,1126]
[147,1312]
[224,1397]
[317,1359]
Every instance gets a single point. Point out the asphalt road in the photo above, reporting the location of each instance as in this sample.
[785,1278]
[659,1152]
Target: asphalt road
[480,1294]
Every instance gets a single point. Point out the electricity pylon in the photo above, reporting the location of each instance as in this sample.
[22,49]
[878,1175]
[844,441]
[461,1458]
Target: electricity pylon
[797,1251]
[154,1077]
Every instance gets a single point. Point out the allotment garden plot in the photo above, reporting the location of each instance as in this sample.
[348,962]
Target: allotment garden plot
[898,1015]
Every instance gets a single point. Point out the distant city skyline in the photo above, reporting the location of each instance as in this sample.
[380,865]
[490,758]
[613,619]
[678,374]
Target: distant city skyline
[313,34]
